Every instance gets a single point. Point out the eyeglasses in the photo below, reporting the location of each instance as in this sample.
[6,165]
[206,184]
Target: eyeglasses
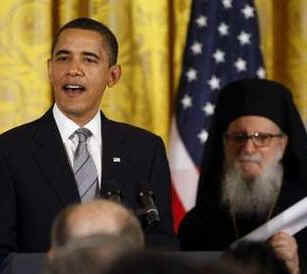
[259,139]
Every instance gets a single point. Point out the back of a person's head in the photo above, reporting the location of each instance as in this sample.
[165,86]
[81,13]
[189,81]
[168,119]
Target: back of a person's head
[150,262]
[256,258]
[98,216]
[92,254]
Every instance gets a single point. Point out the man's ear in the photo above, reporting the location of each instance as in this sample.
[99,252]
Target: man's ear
[284,141]
[115,73]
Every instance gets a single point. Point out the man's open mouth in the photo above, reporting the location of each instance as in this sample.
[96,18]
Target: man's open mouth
[73,88]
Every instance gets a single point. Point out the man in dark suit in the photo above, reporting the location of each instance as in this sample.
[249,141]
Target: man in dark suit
[36,160]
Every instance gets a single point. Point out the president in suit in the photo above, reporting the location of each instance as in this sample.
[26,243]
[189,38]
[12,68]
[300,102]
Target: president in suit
[37,176]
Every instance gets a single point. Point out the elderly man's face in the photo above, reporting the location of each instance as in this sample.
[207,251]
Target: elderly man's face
[252,155]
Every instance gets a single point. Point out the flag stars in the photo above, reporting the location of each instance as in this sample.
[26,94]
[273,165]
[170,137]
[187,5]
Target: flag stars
[203,136]
[209,109]
[223,29]
[240,64]
[196,48]
[261,73]
[244,38]
[191,74]
[214,83]
[201,21]
[248,11]
[227,4]
[219,56]
[186,101]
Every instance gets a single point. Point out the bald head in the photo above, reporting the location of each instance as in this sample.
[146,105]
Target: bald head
[94,217]
[89,254]
[98,215]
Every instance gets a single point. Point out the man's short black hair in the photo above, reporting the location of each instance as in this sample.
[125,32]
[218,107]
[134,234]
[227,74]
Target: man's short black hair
[92,25]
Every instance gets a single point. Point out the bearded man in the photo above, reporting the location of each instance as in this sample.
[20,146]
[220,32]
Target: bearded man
[255,167]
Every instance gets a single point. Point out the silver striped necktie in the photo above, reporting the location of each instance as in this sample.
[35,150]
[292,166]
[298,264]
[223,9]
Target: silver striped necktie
[84,167]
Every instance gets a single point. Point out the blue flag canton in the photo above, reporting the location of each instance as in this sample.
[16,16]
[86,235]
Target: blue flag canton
[222,46]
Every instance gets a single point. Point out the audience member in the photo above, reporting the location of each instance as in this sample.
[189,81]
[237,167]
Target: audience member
[88,255]
[96,217]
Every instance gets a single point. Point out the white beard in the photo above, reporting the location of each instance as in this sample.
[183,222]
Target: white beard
[250,197]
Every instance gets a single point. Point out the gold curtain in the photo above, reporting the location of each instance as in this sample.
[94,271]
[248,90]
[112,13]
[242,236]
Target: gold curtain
[25,36]
[142,97]
[151,36]
[284,43]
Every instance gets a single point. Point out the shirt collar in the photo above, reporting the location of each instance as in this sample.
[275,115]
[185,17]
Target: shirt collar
[67,127]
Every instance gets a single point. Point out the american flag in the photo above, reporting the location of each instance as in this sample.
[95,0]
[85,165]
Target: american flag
[222,46]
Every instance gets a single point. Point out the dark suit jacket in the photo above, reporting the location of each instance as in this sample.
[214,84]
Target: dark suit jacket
[36,180]
[23,263]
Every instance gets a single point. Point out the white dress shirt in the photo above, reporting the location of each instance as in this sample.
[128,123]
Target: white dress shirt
[67,127]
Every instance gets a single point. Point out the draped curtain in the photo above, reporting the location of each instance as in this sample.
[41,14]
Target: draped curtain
[151,36]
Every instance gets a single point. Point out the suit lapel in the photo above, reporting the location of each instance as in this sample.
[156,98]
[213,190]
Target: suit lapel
[114,155]
[52,158]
